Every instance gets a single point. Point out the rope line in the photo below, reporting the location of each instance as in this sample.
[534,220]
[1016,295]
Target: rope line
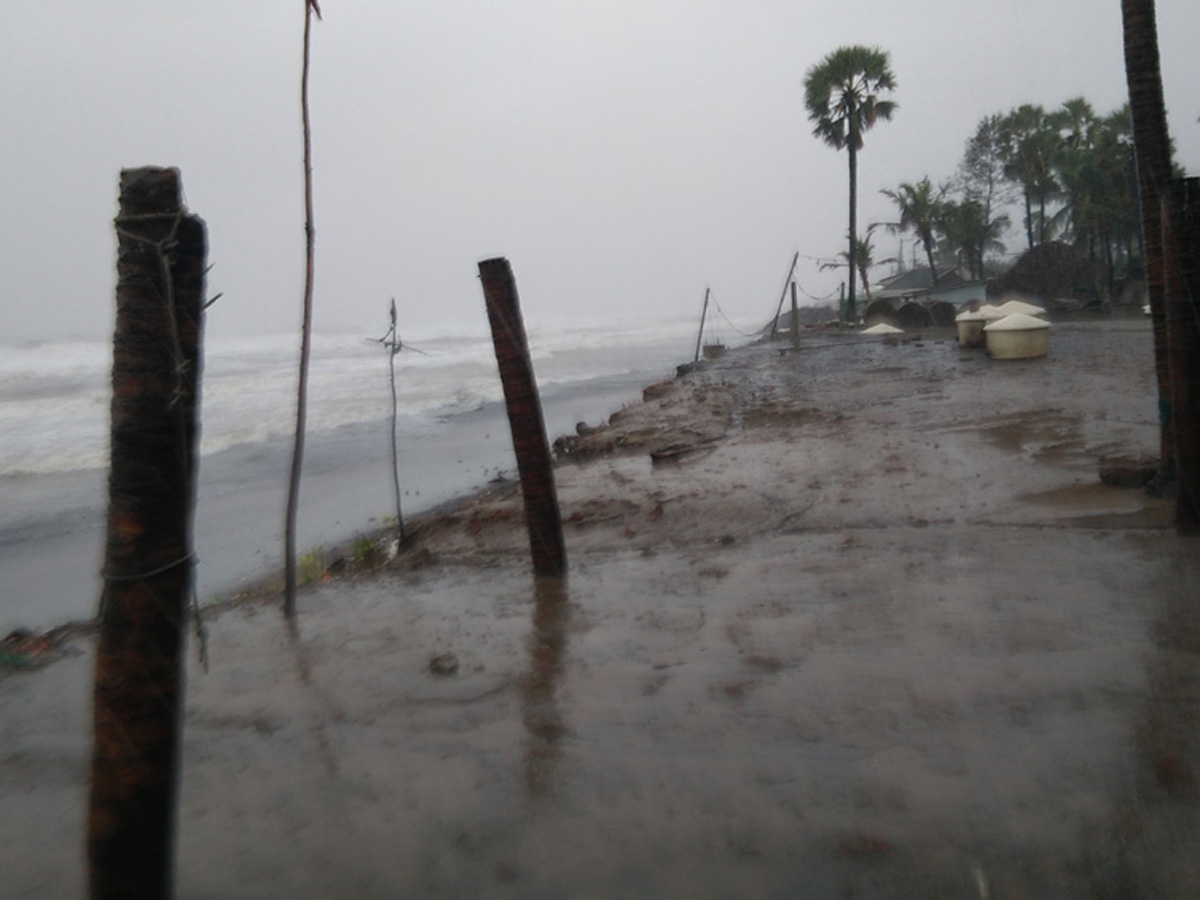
[818,299]
[728,322]
[163,249]
[142,576]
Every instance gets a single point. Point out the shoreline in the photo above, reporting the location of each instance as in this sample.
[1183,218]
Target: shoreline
[340,550]
[874,627]
[241,493]
[611,437]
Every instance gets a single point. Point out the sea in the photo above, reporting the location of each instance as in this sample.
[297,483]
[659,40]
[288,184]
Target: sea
[451,429]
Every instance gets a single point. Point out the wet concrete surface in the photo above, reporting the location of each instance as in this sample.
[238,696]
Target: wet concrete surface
[881,633]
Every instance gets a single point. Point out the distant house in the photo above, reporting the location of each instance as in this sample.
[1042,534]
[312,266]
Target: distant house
[917,285]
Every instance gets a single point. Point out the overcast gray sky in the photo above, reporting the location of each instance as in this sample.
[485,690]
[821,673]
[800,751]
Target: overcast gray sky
[623,154]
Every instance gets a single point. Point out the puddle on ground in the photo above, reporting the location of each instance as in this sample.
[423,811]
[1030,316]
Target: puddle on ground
[1096,505]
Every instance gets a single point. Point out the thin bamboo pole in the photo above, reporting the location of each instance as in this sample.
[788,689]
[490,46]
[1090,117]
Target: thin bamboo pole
[393,347]
[293,497]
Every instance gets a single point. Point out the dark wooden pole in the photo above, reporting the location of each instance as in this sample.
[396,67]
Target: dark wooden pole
[525,417]
[148,564]
[1152,145]
[1181,246]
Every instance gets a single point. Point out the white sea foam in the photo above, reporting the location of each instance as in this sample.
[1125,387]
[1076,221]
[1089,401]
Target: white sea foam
[54,396]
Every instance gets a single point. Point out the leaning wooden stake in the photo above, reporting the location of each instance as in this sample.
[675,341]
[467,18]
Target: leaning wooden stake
[795,320]
[700,333]
[534,465]
[148,563]
[783,294]
[1181,282]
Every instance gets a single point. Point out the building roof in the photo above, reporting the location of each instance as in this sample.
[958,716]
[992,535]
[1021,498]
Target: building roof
[916,282]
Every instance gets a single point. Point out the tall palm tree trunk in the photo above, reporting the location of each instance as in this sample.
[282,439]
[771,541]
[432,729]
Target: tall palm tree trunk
[933,275]
[851,308]
[1153,148]
[1181,245]
[1028,219]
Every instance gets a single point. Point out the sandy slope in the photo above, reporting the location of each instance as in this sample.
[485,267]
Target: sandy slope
[873,628]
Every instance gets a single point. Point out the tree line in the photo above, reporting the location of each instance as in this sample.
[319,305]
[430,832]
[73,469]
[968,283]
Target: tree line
[1067,174]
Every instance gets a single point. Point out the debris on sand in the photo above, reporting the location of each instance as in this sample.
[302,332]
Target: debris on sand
[444,665]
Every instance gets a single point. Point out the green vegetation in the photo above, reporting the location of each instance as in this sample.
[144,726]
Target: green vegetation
[920,207]
[864,259]
[312,566]
[364,550]
[1069,171]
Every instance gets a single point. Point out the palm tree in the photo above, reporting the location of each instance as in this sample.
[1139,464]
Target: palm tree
[1030,141]
[1093,169]
[920,207]
[969,234]
[842,96]
[864,259]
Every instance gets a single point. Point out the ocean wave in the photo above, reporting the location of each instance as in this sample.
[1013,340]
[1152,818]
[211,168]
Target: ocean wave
[54,395]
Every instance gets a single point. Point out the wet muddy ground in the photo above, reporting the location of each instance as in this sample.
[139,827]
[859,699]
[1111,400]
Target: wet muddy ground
[858,621]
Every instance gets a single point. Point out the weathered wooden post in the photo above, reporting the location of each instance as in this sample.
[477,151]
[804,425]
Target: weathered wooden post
[148,565]
[534,465]
[1181,285]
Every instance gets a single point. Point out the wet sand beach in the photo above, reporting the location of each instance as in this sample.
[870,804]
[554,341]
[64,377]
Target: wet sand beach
[856,621]
[52,558]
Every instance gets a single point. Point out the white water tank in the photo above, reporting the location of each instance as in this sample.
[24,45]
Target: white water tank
[1018,336]
[969,325]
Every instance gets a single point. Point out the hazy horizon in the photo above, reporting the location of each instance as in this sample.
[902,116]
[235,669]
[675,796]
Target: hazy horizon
[623,156]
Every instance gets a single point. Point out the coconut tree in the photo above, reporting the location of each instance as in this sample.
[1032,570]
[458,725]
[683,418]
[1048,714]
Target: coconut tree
[864,259]
[920,208]
[1030,140]
[843,96]
[1094,171]
[969,234]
